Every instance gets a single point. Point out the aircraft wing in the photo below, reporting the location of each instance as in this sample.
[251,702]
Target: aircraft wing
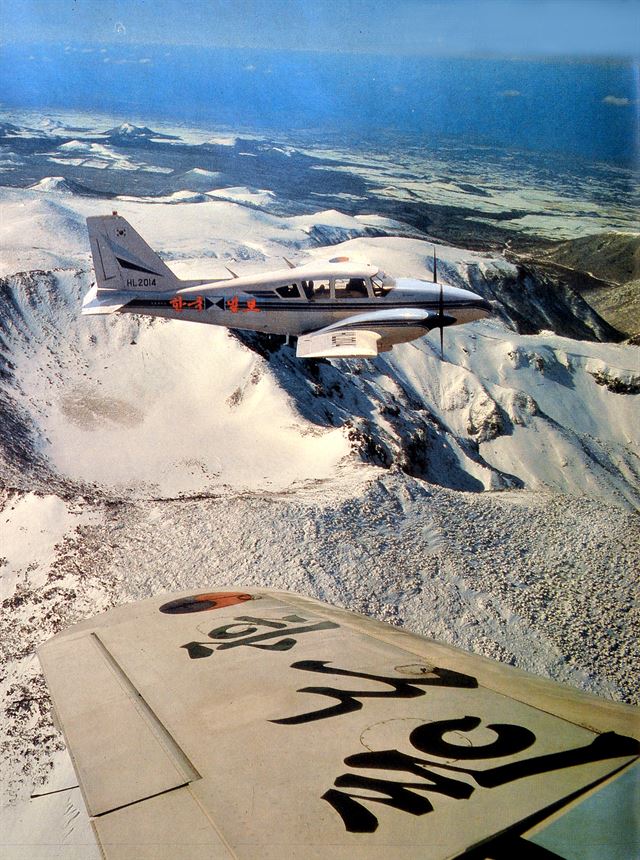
[262,724]
[365,335]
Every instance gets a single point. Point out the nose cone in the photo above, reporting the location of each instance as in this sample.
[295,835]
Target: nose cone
[453,297]
[464,297]
[474,306]
[482,306]
[470,306]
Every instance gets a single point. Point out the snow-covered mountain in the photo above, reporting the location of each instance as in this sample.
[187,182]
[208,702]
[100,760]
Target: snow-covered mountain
[55,185]
[198,179]
[489,500]
[128,134]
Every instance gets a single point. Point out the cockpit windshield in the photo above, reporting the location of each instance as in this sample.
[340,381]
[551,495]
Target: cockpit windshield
[381,283]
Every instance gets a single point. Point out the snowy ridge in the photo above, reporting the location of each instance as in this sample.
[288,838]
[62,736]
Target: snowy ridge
[199,179]
[98,156]
[53,183]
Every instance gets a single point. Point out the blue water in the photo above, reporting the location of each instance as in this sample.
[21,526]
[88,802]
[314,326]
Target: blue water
[547,106]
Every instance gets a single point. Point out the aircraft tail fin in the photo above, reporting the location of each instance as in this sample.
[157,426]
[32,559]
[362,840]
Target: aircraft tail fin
[123,261]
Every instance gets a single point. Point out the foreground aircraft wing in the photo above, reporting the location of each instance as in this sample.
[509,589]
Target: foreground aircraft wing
[262,724]
[365,335]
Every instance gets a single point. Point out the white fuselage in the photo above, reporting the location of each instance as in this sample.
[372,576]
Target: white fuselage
[279,306]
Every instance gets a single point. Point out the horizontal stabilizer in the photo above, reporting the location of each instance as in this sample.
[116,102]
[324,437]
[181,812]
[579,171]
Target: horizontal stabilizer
[103,303]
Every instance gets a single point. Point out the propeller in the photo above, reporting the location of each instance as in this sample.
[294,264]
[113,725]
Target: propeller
[440,303]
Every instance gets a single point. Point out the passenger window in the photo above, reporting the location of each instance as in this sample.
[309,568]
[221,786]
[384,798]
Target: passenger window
[350,288]
[317,290]
[289,291]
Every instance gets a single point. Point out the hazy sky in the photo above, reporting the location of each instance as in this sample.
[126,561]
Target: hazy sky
[453,67]
[506,27]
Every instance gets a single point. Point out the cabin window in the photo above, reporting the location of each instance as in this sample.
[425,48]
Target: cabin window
[350,288]
[316,289]
[289,291]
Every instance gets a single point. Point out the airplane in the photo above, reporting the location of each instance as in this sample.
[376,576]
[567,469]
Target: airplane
[261,724]
[335,309]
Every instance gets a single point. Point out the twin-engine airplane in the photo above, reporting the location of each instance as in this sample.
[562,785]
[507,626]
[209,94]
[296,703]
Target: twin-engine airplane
[336,309]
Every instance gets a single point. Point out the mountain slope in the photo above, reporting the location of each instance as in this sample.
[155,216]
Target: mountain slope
[612,261]
[489,500]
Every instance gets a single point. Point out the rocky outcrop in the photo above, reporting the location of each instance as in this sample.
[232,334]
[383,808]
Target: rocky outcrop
[618,383]
[532,300]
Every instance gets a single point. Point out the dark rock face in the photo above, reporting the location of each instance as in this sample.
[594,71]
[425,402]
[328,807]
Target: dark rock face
[18,449]
[26,300]
[535,300]
[18,439]
[617,384]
